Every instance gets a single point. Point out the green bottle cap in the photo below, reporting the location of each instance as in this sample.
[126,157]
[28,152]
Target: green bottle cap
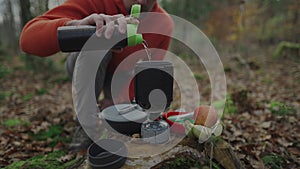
[135,10]
[132,36]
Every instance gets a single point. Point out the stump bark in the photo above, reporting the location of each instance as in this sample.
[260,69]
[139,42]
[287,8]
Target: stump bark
[223,153]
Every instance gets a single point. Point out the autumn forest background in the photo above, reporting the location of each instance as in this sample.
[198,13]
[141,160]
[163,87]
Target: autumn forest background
[258,42]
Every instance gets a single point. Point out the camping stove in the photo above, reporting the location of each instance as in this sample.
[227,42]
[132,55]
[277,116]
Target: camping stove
[155,132]
[154,93]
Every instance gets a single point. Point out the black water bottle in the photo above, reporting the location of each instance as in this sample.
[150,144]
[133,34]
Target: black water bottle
[74,38]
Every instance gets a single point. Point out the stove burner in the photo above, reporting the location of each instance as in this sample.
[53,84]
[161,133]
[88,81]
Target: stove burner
[155,132]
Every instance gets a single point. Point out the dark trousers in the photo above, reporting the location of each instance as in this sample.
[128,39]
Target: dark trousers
[102,81]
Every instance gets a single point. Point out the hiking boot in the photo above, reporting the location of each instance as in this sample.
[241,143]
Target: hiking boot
[80,141]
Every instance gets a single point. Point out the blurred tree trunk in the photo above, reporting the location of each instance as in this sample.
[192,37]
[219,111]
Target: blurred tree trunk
[39,7]
[32,62]
[296,22]
[25,13]
[46,5]
[9,22]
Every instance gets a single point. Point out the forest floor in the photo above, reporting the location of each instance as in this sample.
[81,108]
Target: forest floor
[261,119]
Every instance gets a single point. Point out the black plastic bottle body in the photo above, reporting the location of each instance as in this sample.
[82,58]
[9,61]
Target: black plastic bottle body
[74,38]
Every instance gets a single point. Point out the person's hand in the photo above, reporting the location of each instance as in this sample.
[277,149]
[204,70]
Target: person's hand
[109,20]
[104,103]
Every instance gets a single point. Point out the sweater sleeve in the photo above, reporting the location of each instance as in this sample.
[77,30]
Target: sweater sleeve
[39,36]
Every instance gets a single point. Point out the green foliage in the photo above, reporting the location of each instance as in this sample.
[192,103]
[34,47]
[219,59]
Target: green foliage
[274,161]
[214,165]
[267,80]
[198,76]
[230,107]
[11,122]
[38,64]
[53,133]
[47,161]
[16,165]
[192,10]
[286,46]
[27,97]
[4,71]
[215,139]
[227,69]
[4,95]
[182,163]
[42,91]
[61,79]
[275,21]
[2,50]
[14,122]
[279,108]
[271,28]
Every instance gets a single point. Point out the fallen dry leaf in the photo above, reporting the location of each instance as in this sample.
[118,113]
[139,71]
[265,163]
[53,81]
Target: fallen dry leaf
[67,158]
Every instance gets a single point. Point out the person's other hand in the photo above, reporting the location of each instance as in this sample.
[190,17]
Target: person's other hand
[104,103]
[109,20]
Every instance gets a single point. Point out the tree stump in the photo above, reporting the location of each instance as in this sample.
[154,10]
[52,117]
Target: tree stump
[216,149]
[223,153]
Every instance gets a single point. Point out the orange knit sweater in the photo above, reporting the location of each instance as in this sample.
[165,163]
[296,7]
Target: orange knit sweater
[39,36]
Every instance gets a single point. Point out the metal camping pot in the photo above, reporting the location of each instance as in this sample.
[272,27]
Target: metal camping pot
[124,118]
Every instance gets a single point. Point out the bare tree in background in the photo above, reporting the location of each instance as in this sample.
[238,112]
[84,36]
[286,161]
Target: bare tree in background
[39,7]
[25,13]
[9,24]
[32,62]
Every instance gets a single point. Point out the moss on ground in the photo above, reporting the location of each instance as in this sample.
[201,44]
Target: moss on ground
[48,161]
[180,162]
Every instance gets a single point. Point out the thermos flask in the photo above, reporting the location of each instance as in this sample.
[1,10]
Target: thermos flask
[74,38]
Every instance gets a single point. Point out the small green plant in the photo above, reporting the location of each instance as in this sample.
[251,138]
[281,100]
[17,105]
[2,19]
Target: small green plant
[227,69]
[61,79]
[37,64]
[274,161]
[279,108]
[41,91]
[14,122]
[4,95]
[4,71]
[53,133]
[213,164]
[182,163]
[47,161]
[11,122]
[267,80]
[198,77]
[228,106]
[27,97]
[216,139]
[285,47]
